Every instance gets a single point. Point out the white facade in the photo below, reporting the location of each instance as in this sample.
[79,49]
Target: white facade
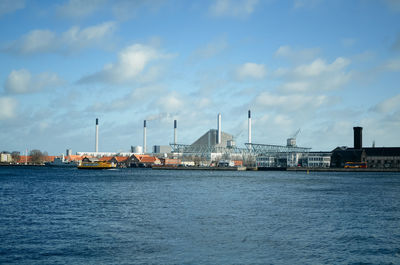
[5,158]
[319,159]
[138,149]
[266,161]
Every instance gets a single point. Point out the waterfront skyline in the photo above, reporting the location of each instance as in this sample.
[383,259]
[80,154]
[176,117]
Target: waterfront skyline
[322,66]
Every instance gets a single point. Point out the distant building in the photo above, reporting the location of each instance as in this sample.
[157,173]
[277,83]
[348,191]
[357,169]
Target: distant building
[170,161]
[381,157]
[375,157]
[161,149]
[210,139]
[142,161]
[68,152]
[319,159]
[5,158]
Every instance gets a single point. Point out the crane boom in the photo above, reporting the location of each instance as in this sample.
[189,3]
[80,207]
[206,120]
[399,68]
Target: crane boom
[296,133]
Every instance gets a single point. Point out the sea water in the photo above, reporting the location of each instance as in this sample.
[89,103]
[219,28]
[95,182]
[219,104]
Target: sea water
[144,216]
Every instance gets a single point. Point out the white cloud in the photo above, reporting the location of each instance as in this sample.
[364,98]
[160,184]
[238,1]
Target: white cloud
[171,103]
[163,116]
[348,42]
[79,8]
[289,103]
[203,102]
[9,6]
[296,55]
[319,67]
[36,41]
[392,65]
[140,95]
[233,8]
[282,120]
[318,75]
[22,81]
[389,105]
[133,64]
[77,38]
[211,49]
[283,51]
[296,86]
[251,71]
[8,107]
[42,41]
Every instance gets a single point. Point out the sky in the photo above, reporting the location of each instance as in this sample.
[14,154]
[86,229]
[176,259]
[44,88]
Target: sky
[320,66]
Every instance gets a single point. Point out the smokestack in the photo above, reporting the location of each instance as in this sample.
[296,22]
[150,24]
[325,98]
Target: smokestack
[219,128]
[144,136]
[357,137]
[175,136]
[249,127]
[97,136]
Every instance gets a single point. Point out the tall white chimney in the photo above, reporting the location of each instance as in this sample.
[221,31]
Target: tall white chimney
[219,129]
[97,136]
[175,135]
[249,127]
[144,137]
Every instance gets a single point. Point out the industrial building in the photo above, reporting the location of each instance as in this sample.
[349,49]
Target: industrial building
[161,149]
[212,146]
[278,156]
[374,157]
[318,160]
[216,145]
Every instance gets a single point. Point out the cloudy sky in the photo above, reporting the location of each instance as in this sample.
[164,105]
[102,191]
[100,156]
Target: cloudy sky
[316,65]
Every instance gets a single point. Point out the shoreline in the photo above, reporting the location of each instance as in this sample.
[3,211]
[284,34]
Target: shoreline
[343,169]
[291,169]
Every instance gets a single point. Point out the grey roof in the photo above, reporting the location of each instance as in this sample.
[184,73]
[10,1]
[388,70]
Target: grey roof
[382,151]
[210,139]
[369,151]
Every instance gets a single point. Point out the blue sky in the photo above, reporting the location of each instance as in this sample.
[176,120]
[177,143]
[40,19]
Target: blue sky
[321,66]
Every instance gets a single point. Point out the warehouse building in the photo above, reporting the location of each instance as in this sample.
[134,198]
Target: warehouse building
[374,157]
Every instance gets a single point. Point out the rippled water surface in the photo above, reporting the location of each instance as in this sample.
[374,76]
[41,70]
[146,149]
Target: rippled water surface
[141,216]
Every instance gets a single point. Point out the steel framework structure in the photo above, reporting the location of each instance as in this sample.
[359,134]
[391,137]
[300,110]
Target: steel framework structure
[206,149]
[278,155]
[273,149]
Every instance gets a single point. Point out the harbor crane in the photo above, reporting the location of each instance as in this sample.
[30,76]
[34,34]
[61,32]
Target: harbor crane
[295,134]
[292,140]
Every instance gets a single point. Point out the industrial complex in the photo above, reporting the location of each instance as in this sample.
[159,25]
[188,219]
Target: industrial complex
[216,148]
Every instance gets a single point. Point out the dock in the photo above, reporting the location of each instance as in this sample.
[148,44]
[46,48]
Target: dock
[302,169]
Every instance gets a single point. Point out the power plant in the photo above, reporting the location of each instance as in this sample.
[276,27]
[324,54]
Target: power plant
[96,148]
[175,132]
[249,127]
[357,137]
[144,137]
[216,145]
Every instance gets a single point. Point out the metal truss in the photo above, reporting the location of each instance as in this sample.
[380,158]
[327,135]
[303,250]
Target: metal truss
[275,149]
[206,149]
[286,156]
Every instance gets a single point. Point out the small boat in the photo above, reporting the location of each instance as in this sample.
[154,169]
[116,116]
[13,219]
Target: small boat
[61,162]
[97,165]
